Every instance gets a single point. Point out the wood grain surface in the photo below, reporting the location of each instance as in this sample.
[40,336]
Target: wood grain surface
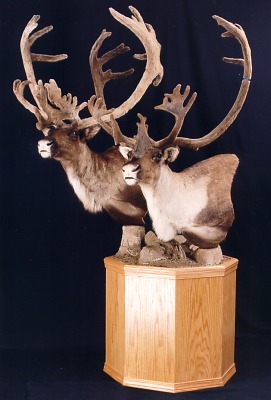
[170,329]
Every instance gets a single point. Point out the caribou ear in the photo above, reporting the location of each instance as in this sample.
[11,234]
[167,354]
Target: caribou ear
[125,151]
[171,153]
[89,133]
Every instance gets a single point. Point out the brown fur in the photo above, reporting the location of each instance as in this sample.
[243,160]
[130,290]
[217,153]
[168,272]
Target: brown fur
[219,212]
[100,175]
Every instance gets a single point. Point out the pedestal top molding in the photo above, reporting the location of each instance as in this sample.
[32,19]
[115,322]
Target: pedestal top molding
[227,266]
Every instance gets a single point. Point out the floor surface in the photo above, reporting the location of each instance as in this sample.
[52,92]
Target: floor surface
[77,374]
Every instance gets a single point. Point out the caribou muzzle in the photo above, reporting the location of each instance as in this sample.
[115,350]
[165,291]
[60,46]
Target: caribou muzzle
[45,148]
[130,173]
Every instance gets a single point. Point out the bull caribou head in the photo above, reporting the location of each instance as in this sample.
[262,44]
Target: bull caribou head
[195,202]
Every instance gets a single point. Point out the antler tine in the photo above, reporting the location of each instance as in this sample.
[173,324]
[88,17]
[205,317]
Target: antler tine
[26,43]
[98,111]
[64,107]
[153,71]
[174,104]
[237,32]
[142,140]
[100,78]
[118,135]
[18,89]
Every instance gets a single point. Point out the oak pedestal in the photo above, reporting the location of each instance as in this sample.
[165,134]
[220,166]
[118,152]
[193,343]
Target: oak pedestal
[170,329]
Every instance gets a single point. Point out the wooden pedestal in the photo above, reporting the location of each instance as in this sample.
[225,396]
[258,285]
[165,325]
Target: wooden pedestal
[170,329]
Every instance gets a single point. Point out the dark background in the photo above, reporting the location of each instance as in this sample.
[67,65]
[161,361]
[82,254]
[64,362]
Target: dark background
[52,287]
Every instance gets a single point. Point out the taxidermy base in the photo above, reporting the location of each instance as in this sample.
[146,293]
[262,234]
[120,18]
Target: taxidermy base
[170,329]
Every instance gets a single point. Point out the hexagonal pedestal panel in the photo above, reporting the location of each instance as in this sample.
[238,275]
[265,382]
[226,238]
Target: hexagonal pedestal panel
[170,329]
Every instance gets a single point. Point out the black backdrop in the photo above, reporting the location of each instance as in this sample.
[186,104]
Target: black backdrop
[52,275]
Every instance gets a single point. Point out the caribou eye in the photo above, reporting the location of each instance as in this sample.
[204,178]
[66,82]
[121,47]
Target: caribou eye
[157,157]
[52,127]
[74,135]
[67,121]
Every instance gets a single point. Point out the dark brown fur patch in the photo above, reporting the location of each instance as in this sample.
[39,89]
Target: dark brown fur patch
[220,170]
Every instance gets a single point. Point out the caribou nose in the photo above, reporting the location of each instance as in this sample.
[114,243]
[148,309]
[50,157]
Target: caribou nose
[44,148]
[129,168]
[136,169]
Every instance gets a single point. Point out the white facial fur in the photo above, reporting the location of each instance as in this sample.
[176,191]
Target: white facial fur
[129,173]
[44,148]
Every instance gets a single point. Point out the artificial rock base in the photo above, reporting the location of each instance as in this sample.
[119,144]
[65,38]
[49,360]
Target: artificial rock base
[170,329]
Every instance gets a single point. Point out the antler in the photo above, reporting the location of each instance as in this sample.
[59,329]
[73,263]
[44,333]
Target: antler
[98,109]
[52,107]
[237,32]
[153,73]
[100,78]
[174,104]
